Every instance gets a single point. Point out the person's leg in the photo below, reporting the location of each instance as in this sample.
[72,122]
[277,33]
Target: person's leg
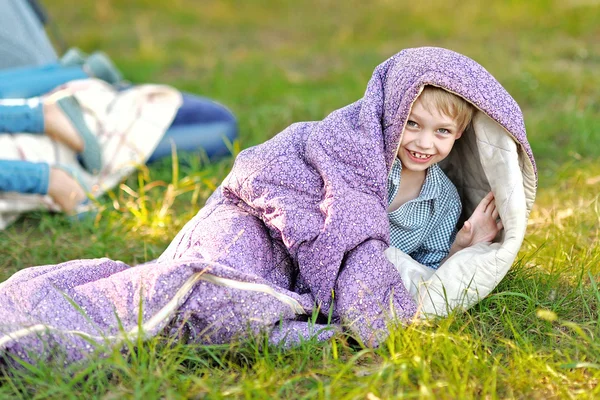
[198,110]
[211,138]
[22,116]
[60,183]
[61,119]
[24,177]
[200,124]
[25,82]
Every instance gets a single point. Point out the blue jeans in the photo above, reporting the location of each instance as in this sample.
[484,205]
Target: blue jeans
[26,117]
[200,124]
[24,177]
[26,82]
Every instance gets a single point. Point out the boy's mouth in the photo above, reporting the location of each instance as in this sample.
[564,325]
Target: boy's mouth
[419,156]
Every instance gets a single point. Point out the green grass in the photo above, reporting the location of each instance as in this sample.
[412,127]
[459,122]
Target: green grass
[277,62]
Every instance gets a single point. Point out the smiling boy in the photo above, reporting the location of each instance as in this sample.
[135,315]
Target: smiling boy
[423,204]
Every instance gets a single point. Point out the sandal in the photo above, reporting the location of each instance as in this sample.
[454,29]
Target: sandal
[97,64]
[91,156]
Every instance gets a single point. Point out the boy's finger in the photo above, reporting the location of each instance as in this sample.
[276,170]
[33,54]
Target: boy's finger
[495,212]
[491,205]
[499,225]
[485,201]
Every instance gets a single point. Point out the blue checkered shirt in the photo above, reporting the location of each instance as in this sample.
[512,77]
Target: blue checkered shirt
[425,227]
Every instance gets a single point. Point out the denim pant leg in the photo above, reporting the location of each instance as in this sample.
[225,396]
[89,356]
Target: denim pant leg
[26,116]
[25,82]
[200,124]
[24,177]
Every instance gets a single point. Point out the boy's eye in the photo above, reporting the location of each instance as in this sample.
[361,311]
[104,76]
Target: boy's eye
[411,123]
[444,131]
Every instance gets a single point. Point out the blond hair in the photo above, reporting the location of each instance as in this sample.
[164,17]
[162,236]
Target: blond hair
[448,104]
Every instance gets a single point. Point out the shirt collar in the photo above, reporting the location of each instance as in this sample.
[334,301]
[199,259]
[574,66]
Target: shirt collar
[431,186]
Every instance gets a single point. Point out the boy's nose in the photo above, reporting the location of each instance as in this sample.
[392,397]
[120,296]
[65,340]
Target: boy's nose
[425,140]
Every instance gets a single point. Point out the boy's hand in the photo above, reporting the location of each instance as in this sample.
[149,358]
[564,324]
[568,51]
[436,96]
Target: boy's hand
[482,226]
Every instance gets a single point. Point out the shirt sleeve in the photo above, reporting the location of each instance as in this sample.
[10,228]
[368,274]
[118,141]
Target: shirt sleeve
[436,245]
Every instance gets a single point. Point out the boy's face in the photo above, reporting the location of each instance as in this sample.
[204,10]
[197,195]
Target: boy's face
[427,139]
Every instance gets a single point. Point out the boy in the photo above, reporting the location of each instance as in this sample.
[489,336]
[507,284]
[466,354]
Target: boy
[424,206]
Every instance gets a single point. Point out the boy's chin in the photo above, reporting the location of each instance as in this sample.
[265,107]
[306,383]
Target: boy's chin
[417,168]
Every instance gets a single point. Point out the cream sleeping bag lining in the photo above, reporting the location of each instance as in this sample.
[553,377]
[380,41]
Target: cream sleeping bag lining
[485,158]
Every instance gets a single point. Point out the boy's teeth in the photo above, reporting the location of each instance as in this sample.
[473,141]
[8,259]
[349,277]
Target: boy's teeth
[419,155]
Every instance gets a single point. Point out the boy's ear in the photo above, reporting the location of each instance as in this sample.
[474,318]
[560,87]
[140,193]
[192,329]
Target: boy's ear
[459,134]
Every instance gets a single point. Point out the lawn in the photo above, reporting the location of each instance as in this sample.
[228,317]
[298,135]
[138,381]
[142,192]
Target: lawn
[277,62]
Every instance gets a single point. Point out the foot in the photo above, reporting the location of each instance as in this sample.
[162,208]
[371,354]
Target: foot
[65,123]
[65,190]
[59,127]
[99,65]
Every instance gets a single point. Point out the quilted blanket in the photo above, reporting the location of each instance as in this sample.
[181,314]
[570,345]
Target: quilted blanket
[294,243]
[129,124]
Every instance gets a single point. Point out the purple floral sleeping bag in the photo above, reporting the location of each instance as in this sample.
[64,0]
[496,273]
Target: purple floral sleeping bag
[298,227]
